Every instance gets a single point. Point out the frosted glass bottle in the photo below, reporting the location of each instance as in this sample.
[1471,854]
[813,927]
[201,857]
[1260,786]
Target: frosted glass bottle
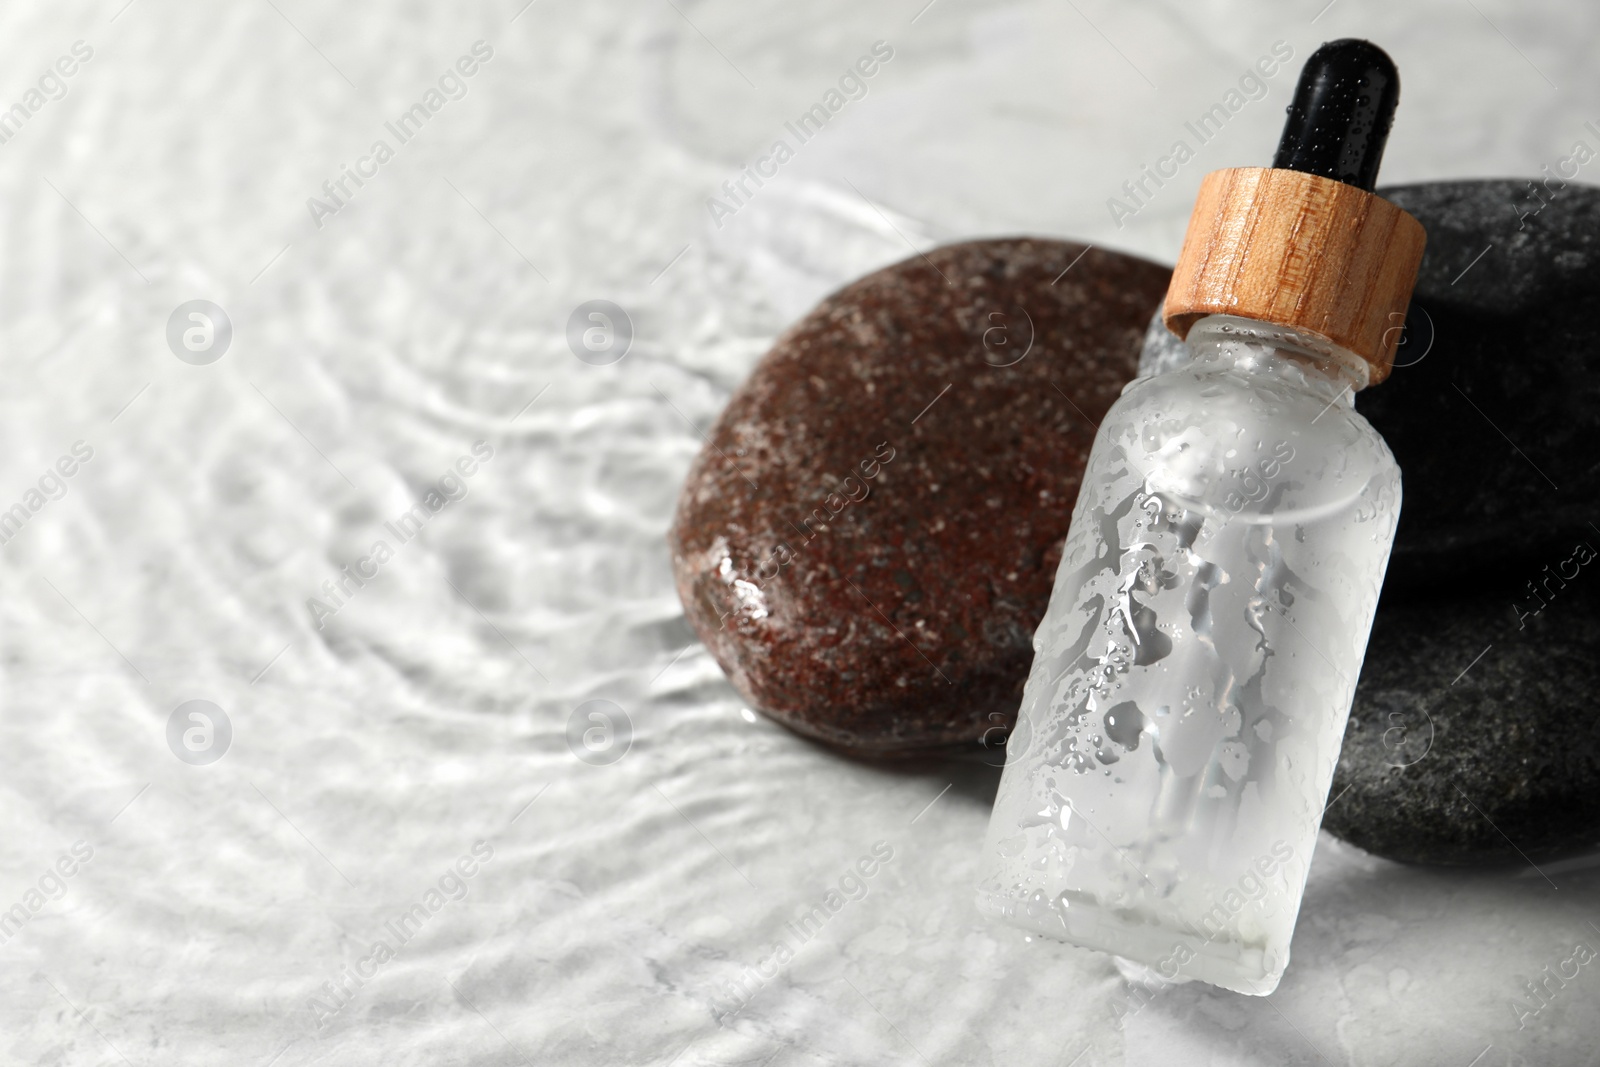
[1192,678]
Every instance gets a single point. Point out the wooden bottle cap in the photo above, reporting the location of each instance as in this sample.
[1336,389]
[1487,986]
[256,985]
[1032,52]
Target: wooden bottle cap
[1299,250]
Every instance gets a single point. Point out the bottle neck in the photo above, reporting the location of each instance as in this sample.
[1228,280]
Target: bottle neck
[1257,347]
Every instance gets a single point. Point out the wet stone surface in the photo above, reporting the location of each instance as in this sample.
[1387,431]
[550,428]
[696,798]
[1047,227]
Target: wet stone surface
[1474,738]
[869,539]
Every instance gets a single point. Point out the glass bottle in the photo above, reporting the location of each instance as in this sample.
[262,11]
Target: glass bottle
[1191,682]
[1192,677]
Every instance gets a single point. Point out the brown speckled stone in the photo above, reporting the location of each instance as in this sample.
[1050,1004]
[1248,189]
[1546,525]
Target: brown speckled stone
[870,538]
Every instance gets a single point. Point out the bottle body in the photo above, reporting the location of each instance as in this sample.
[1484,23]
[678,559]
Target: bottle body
[1194,672]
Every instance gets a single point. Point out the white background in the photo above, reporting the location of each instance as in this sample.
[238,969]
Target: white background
[369,353]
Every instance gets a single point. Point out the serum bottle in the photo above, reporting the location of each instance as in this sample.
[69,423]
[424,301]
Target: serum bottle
[1191,680]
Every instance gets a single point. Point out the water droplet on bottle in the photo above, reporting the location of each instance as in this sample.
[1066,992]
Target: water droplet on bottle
[1124,723]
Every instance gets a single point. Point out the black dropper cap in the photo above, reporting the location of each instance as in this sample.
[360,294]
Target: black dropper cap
[1340,117]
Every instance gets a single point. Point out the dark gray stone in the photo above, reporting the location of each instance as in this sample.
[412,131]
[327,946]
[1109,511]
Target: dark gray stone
[1493,410]
[1497,764]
